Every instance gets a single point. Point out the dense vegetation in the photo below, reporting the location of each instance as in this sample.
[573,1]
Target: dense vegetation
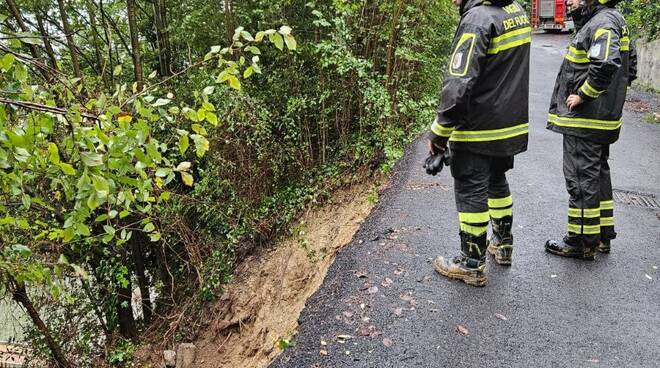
[643,17]
[147,145]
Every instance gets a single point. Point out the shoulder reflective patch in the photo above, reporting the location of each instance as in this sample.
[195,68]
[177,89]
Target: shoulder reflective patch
[460,58]
[600,50]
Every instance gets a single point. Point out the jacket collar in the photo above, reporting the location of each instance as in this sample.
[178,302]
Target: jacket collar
[469,4]
[589,12]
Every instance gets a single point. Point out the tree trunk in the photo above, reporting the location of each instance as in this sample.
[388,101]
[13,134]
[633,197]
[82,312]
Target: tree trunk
[229,21]
[167,293]
[106,17]
[160,20]
[166,36]
[108,42]
[16,13]
[19,295]
[46,40]
[135,44]
[391,52]
[127,327]
[91,10]
[138,262]
[69,39]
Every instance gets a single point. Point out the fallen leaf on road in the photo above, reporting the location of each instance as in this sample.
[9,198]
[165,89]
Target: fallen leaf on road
[324,343]
[649,277]
[285,344]
[399,271]
[409,299]
[342,339]
[372,290]
[387,283]
[361,275]
[462,330]
[398,312]
[387,342]
[500,316]
[424,279]
[323,352]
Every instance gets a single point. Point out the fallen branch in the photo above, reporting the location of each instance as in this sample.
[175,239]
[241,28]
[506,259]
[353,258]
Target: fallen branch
[43,108]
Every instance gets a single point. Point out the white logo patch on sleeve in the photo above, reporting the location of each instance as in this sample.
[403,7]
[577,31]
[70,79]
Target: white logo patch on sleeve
[458,61]
[594,51]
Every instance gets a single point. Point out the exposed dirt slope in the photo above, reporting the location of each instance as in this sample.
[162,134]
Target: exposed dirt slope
[262,303]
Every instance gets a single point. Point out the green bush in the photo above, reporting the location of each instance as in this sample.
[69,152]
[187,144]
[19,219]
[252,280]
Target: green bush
[107,190]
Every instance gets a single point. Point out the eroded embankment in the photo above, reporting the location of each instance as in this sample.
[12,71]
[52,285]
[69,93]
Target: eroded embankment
[262,303]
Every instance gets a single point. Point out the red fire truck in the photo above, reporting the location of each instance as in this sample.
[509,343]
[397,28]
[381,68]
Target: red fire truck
[550,15]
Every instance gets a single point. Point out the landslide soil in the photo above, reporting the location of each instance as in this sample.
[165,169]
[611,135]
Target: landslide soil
[262,302]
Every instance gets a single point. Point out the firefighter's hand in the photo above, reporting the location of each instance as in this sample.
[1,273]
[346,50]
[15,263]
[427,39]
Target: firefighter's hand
[573,101]
[437,144]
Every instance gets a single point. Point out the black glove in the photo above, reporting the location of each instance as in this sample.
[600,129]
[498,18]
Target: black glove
[436,162]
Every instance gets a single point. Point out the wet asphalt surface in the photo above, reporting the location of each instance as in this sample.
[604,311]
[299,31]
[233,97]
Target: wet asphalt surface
[543,311]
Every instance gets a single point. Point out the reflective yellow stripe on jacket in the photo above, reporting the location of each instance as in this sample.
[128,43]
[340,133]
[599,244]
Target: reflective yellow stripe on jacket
[577,56]
[584,123]
[510,40]
[489,135]
[590,91]
[441,130]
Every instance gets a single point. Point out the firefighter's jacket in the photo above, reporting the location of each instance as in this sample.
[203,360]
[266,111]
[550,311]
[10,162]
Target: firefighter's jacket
[597,67]
[484,104]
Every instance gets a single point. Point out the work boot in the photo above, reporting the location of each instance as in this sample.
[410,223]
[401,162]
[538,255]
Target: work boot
[469,267]
[572,247]
[500,243]
[604,246]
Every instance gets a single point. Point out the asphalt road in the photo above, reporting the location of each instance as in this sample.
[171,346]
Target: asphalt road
[544,311]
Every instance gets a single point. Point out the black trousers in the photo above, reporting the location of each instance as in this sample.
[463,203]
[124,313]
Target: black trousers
[481,190]
[590,207]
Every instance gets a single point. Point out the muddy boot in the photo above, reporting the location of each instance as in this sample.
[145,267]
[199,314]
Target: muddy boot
[469,267]
[572,247]
[604,246]
[500,243]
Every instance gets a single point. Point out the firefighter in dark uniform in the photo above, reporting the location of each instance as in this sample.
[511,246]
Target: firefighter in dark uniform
[483,115]
[586,107]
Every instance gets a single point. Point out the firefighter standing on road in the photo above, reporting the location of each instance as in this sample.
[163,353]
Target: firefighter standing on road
[483,114]
[586,107]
